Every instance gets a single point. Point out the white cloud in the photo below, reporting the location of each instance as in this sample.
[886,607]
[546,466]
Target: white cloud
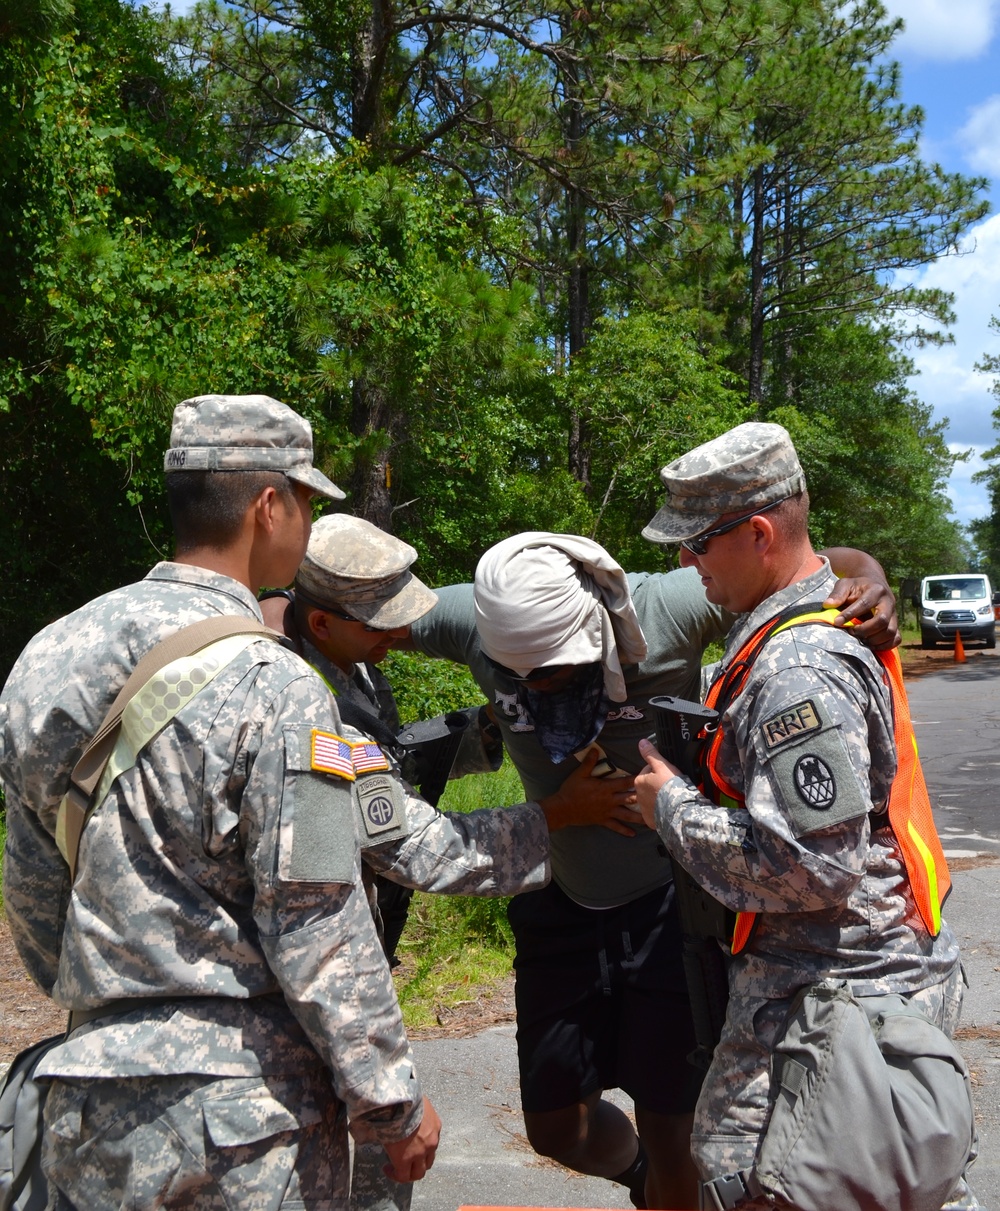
[969,501]
[948,380]
[944,30]
[980,137]
[178,8]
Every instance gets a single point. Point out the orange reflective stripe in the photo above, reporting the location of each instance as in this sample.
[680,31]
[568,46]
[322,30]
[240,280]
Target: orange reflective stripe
[733,681]
[911,817]
[910,814]
[720,786]
[742,930]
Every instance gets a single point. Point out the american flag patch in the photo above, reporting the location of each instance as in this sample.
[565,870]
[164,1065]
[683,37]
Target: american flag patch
[332,755]
[367,757]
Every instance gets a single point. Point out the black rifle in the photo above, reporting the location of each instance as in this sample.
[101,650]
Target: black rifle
[429,751]
[704,921]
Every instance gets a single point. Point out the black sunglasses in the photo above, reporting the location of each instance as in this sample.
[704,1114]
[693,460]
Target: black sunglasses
[699,544]
[327,609]
[351,618]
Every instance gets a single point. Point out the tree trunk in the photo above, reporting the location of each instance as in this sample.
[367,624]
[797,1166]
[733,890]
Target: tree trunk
[370,483]
[578,305]
[756,375]
[370,410]
[367,74]
[784,350]
[578,281]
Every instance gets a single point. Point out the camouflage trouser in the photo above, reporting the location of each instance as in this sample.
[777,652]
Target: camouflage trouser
[212,1143]
[371,1189]
[733,1104]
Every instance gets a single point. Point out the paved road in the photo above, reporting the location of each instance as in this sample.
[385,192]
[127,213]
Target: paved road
[484,1157]
[956,716]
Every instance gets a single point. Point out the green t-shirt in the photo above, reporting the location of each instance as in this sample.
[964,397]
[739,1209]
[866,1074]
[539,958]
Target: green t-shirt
[593,865]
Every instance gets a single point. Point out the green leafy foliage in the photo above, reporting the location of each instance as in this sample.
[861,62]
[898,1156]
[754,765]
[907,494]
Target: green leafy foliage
[985,532]
[424,688]
[875,463]
[455,945]
[648,393]
[132,283]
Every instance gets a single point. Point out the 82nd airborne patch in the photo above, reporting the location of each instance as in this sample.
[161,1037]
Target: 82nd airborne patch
[381,804]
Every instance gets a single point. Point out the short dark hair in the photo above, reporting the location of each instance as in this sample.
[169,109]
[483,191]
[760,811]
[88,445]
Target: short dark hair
[207,507]
[302,607]
[791,517]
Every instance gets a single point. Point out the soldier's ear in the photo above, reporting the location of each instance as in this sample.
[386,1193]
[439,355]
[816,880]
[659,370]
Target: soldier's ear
[318,622]
[764,532]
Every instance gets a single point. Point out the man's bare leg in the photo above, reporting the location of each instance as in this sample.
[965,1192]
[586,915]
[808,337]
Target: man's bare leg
[672,1178]
[591,1136]
[597,1138]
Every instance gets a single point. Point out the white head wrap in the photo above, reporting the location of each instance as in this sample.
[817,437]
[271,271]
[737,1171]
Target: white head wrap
[546,599]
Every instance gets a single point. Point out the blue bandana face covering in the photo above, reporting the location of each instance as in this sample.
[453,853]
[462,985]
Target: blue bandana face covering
[567,720]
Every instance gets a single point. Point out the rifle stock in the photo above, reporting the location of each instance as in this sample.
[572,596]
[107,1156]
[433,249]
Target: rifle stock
[704,921]
[430,748]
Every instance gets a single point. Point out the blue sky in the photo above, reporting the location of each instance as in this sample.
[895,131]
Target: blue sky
[950,56]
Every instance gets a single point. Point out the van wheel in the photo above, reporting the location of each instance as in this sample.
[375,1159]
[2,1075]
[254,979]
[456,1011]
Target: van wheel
[991,641]
[927,640]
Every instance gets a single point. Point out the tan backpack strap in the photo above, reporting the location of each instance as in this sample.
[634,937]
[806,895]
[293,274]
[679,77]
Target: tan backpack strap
[89,768]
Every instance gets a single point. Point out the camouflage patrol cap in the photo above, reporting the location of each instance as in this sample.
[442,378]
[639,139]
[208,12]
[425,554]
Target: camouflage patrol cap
[244,433]
[363,571]
[750,466]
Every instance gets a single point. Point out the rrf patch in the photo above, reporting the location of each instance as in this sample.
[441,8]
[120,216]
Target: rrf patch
[368,757]
[380,802]
[331,754]
[792,724]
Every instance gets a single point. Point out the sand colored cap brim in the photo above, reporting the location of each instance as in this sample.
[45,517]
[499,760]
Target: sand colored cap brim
[670,526]
[406,605]
[317,481]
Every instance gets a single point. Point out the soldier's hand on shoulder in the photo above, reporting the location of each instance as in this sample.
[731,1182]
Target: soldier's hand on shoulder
[873,604]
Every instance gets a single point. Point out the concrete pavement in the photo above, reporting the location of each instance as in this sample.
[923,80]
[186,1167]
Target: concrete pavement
[973,911]
[485,1159]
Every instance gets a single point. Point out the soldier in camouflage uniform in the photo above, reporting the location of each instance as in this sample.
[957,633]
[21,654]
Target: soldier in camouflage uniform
[568,650]
[241,1009]
[354,596]
[812,859]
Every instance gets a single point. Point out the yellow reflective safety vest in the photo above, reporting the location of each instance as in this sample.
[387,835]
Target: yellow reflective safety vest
[909,807]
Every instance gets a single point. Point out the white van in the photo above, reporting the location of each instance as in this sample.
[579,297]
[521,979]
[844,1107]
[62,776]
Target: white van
[959,604]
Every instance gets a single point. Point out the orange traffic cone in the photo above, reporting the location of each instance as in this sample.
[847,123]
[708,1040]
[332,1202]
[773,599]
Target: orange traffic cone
[959,649]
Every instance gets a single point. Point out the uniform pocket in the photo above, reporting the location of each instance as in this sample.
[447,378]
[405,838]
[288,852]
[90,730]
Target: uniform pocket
[253,1115]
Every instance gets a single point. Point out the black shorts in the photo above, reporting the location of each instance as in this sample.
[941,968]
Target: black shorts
[602,1002]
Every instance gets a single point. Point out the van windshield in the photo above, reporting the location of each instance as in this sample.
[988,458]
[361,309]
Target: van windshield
[956,588]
